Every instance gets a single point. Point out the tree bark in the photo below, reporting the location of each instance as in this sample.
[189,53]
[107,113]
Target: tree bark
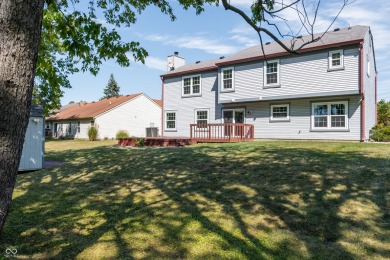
[20,31]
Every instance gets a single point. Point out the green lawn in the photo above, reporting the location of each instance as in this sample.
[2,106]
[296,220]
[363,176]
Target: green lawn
[256,200]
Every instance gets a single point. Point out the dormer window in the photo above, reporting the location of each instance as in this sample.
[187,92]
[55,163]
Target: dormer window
[271,73]
[191,86]
[336,59]
[227,79]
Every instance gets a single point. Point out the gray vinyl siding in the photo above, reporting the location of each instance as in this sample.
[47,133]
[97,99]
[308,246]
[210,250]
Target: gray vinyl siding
[186,106]
[369,85]
[299,75]
[299,126]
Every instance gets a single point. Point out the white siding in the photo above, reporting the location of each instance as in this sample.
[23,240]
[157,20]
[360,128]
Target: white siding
[63,126]
[32,155]
[369,85]
[186,106]
[133,116]
[299,75]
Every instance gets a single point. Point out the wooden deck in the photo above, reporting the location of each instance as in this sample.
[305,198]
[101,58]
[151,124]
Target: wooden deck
[221,133]
[207,133]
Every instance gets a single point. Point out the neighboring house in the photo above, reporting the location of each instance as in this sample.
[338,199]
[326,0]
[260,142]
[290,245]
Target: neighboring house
[327,92]
[133,113]
[33,147]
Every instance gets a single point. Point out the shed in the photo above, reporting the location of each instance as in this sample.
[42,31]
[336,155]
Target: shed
[33,147]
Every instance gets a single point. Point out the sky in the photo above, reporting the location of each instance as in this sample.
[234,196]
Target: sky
[216,33]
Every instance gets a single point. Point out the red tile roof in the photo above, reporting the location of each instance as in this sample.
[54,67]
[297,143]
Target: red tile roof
[91,110]
[158,102]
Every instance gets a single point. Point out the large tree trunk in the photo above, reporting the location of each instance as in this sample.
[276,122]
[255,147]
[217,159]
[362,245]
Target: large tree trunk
[20,31]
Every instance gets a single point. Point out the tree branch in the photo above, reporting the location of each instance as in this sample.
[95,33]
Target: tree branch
[258,29]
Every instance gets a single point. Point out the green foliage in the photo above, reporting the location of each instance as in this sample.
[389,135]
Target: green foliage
[259,8]
[92,133]
[74,41]
[384,112]
[122,134]
[112,89]
[380,133]
[140,142]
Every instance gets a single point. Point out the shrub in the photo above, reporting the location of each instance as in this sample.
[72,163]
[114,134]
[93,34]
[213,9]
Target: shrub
[384,112]
[140,142]
[92,133]
[122,134]
[380,133]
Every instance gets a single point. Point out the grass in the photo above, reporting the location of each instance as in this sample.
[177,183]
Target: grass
[259,200]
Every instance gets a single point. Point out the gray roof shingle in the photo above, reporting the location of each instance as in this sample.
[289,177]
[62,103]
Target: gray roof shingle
[343,36]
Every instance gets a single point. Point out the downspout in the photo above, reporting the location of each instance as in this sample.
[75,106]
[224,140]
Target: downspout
[162,106]
[363,107]
[376,97]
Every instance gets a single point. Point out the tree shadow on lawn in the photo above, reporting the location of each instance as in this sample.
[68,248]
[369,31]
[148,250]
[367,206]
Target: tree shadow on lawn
[257,200]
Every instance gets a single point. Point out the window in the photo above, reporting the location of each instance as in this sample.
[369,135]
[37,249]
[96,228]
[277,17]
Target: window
[191,86]
[70,128]
[202,117]
[280,112]
[368,66]
[271,75]
[330,115]
[78,127]
[93,123]
[227,79]
[336,59]
[170,120]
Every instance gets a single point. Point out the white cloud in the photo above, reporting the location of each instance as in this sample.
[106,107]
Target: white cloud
[246,41]
[204,43]
[240,3]
[150,62]
[156,63]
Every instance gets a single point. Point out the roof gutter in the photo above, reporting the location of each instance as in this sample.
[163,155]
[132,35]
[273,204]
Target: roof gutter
[189,71]
[284,53]
[261,57]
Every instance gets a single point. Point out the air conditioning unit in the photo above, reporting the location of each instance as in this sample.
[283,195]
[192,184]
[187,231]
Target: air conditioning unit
[152,132]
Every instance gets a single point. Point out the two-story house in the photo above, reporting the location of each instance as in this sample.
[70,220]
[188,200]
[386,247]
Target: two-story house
[328,91]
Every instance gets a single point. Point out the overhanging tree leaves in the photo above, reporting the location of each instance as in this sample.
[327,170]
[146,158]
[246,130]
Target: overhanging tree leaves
[69,41]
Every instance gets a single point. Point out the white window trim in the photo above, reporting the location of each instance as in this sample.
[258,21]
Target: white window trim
[368,66]
[278,118]
[341,66]
[165,119]
[233,85]
[196,119]
[277,84]
[329,127]
[234,110]
[191,86]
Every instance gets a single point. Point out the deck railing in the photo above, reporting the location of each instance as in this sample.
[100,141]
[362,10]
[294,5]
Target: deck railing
[222,132]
